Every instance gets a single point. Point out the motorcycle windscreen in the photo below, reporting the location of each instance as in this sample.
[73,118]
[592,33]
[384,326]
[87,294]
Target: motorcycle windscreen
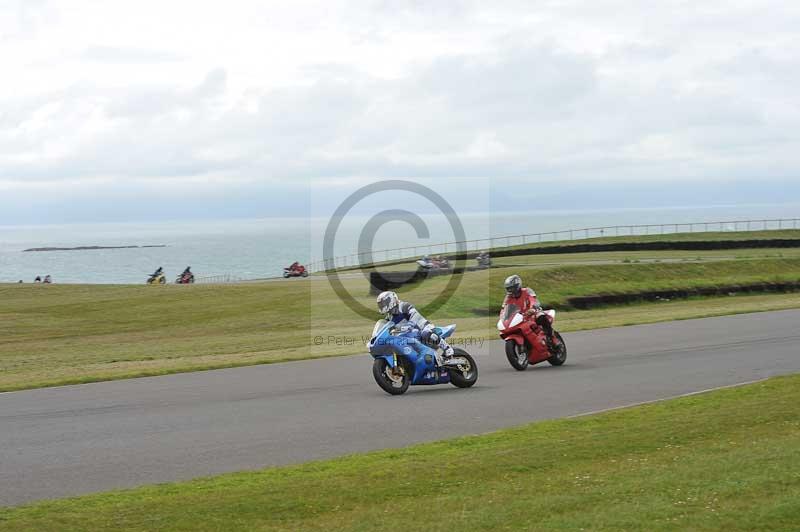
[380,324]
[509,311]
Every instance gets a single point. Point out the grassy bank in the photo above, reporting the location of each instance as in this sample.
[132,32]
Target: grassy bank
[710,236]
[63,334]
[555,285]
[724,460]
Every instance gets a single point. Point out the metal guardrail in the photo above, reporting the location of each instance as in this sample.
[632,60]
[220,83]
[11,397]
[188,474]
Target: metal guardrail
[218,279]
[487,244]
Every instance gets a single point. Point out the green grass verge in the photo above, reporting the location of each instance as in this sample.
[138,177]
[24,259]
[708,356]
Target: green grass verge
[555,285]
[62,334]
[723,460]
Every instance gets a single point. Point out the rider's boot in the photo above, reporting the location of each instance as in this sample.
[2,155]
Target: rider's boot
[549,334]
[551,344]
[444,353]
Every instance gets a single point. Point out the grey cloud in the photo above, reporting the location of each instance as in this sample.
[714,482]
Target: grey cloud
[528,109]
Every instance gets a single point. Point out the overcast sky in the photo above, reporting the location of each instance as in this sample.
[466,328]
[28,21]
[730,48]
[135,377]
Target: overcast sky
[129,110]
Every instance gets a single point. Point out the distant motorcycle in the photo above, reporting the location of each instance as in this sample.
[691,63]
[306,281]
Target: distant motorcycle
[403,359]
[185,278]
[157,278]
[295,270]
[483,260]
[526,342]
[436,263]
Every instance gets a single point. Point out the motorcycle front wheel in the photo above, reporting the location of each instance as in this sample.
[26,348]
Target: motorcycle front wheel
[560,356]
[463,377]
[517,355]
[394,381]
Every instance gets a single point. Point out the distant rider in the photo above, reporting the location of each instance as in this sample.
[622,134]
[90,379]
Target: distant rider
[525,299]
[397,311]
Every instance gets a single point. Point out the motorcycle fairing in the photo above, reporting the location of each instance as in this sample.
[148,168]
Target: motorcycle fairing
[406,345]
[447,331]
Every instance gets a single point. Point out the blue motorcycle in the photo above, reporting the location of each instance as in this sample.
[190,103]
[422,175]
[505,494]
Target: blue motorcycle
[403,359]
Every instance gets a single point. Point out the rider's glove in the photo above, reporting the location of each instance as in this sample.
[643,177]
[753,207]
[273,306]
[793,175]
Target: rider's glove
[430,337]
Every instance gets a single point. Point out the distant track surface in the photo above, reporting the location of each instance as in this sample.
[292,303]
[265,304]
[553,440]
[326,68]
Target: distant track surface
[58,442]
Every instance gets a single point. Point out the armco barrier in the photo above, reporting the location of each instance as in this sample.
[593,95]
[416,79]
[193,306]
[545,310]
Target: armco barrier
[491,244]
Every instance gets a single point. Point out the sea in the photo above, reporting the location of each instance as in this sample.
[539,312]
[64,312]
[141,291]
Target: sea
[244,249]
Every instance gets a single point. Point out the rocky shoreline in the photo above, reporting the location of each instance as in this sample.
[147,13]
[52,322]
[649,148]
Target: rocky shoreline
[89,248]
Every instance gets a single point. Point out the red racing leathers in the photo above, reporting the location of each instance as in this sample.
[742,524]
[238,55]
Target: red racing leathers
[529,305]
[525,301]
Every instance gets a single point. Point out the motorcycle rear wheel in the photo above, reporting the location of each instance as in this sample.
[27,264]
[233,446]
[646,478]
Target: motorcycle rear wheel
[466,377]
[561,356]
[397,386]
[517,355]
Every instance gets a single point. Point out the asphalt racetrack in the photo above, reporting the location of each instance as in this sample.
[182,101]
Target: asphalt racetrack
[71,440]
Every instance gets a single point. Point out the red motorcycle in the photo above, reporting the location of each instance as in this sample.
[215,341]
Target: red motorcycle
[295,270]
[526,341]
[185,278]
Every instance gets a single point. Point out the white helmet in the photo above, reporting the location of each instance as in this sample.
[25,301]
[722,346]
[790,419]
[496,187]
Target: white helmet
[387,302]
[513,285]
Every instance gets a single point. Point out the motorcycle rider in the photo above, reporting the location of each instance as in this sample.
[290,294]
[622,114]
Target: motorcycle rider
[525,299]
[186,276]
[396,311]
